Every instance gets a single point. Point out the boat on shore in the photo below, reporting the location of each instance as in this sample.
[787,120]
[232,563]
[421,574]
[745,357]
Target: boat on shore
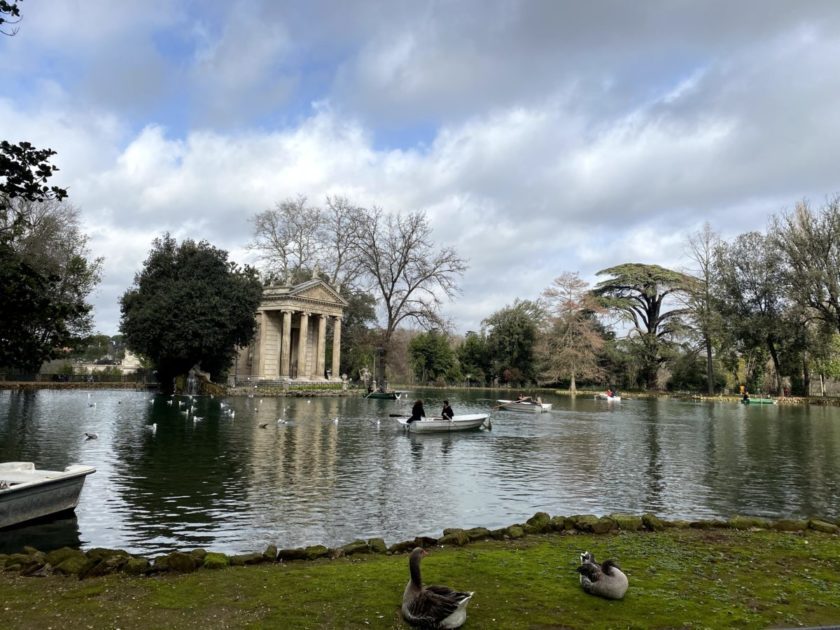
[528,405]
[27,494]
[464,422]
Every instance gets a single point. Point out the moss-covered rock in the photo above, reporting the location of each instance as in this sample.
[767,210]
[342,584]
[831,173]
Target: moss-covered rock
[477,533]
[748,522]
[515,531]
[72,565]
[357,546]
[137,566]
[456,537]
[270,553]
[653,522]
[402,547]
[584,522]
[823,526]
[199,555]
[498,534]
[605,525]
[627,522]
[561,524]
[216,561]
[102,553]
[288,555]
[58,556]
[790,525]
[247,559]
[177,561]
[678,524]
[106,566]
[538,523]
[377,545]
[313,552]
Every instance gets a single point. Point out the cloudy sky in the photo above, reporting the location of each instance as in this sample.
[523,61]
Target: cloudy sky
[539,136]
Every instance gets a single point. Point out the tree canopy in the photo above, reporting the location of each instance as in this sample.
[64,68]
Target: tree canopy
[511,336]
[189,306]
[638,293]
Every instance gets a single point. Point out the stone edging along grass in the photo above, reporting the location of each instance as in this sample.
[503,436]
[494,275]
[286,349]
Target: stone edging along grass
[99,561]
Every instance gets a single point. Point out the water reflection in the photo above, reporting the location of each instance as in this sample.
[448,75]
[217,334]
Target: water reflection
[331,470]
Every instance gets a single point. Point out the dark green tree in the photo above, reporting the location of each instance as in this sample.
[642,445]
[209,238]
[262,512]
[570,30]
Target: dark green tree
[189,306]
[473,358]
[358,338]
[511,334]
[752,298]
[431,356]
[639,294]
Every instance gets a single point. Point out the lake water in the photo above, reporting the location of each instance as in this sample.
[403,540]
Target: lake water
[226,484]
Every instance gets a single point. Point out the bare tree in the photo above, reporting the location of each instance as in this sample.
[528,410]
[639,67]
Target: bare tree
[705,318]
[410,275]
[341,222]
[573,340]
[288,237]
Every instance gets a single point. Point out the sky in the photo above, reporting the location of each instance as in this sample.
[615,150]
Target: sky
[539,136]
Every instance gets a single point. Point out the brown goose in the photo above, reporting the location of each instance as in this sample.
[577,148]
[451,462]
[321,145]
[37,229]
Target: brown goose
[432,606]
[604,580]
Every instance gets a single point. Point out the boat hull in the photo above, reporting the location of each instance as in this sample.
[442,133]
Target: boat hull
[523,407]
[28,494]
[609,398]
[439,425]
[384,395]
[759,401]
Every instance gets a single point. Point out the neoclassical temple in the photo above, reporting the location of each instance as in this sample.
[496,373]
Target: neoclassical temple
[291,338]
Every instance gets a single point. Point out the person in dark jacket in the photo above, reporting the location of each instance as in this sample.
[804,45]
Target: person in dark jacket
[447,413]
[417,411]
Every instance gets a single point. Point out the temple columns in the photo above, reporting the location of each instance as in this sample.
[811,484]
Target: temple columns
[322,347]
[303,339]
[336,353]
[286,346]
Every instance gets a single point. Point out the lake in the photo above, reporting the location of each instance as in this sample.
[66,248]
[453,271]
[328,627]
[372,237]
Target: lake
[339,469]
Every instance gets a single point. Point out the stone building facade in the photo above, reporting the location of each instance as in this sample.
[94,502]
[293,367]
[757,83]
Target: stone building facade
[291,339]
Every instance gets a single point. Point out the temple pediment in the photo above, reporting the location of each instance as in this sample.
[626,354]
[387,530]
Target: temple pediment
[317,290]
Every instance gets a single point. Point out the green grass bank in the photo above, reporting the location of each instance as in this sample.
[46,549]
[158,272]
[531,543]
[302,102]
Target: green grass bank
[679,578]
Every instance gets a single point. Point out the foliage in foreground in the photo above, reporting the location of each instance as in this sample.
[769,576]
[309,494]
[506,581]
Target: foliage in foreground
[678,578]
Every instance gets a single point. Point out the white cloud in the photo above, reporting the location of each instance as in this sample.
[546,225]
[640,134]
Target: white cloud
[555,137]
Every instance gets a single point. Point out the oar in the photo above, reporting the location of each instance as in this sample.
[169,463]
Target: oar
[398,415]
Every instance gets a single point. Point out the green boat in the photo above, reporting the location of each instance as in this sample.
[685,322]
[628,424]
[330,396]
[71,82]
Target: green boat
[384,395]
[758,401]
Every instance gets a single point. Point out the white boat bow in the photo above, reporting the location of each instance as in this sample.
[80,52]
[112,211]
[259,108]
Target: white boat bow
[529,406]
[27,493]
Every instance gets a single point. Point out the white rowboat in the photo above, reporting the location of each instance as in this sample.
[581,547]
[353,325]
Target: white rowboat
[602,396]
[528,406]
[27,493]
[437,425]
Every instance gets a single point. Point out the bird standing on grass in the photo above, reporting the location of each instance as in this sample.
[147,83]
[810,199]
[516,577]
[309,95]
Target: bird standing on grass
[432,606]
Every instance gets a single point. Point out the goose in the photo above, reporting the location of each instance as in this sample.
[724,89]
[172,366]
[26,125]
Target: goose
[263,425]
[91,436]
[432,606]
[605,580]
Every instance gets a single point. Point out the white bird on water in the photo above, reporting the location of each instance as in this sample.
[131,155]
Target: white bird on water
[335,420]
[282,421]
[152,428]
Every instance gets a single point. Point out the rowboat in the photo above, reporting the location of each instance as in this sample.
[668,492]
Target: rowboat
[437,425]
[27,493]
[758,401]
[529,406]
[384,395]
[603,396]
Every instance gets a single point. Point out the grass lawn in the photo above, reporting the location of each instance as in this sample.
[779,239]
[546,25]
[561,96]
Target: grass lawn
[679,578]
